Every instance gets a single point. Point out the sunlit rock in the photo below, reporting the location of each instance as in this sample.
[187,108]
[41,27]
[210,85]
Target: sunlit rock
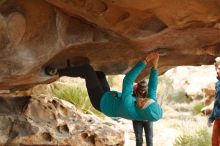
[110,35]
[43,120]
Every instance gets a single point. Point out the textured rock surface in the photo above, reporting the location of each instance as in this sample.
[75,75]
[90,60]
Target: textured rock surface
[194,81]
[46,120]
[198,83]
[112,35]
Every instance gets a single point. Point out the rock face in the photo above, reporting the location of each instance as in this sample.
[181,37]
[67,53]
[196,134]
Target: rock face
[112,35]
[44,120]
[198,83]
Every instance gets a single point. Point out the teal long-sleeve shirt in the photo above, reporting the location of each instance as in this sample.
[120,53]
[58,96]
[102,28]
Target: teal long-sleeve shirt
[124,104]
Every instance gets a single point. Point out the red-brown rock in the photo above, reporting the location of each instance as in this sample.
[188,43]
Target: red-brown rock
[112,35]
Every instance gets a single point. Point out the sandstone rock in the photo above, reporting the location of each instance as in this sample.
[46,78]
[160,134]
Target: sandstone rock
[196,82]
[209,93]
[111,35]
[47,120]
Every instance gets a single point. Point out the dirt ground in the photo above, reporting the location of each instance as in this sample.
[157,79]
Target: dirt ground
[165,131]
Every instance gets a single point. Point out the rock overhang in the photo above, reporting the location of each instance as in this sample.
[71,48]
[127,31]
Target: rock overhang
[111,35]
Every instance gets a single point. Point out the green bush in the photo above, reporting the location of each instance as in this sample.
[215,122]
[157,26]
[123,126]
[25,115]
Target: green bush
[76,95]
[179,96]
[197,108]
[194,137]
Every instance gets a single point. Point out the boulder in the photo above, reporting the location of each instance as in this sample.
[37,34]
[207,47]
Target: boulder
[45,120]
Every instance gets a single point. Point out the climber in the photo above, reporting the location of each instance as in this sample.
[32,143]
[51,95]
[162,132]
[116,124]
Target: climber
[119,104]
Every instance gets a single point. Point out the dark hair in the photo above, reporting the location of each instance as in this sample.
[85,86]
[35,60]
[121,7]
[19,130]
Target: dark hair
[142,85]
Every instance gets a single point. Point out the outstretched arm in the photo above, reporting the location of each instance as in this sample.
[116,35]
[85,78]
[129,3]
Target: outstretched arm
[155,61]
[131,76]
[153,79]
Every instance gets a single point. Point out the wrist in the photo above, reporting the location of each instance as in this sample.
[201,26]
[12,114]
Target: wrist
[155,66]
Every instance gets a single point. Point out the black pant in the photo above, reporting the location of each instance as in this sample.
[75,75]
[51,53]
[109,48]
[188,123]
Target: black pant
[96,82]
[138,131]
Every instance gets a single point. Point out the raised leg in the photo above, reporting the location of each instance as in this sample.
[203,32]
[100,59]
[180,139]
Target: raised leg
[103,81]
[93,85]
